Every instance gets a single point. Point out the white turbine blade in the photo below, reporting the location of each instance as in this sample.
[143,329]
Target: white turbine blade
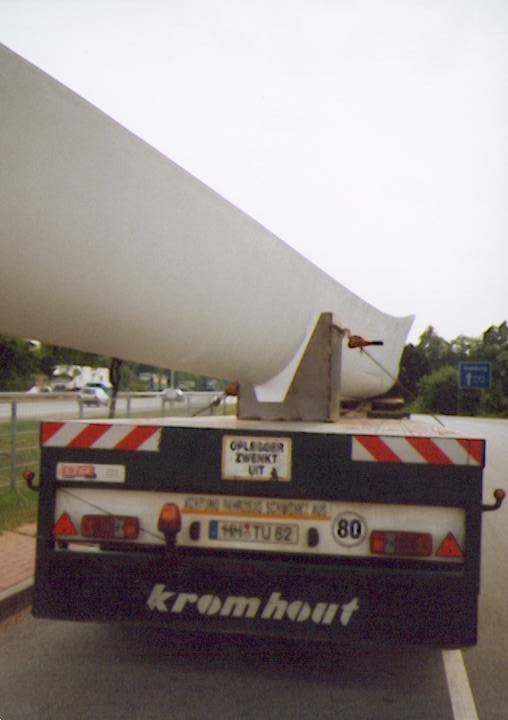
[108,246]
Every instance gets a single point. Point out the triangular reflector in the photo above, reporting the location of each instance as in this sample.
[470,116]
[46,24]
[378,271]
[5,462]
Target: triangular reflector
[64,526]
[450,548]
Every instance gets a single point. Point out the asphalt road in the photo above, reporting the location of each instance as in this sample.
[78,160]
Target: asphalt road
[61,670]
[30,409]
[487,663]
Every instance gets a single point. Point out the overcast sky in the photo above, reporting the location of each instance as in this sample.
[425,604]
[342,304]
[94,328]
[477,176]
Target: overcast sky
[372,136]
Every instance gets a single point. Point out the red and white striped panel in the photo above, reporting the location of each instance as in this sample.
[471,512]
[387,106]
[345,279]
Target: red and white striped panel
[101,436]
[433,451]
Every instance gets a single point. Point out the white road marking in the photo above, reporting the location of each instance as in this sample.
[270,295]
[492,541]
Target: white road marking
[459,689]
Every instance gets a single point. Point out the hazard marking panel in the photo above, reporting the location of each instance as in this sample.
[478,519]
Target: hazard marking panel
[432,451]
[101,436]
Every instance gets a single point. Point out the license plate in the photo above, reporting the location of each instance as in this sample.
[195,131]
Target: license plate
[253,532]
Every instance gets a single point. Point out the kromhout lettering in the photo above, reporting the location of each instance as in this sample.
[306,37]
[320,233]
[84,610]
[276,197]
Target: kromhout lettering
[276,608]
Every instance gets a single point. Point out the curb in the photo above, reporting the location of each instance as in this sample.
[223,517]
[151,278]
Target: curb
[16,598]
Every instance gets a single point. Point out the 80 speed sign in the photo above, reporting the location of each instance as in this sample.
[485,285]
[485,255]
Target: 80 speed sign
[349,529]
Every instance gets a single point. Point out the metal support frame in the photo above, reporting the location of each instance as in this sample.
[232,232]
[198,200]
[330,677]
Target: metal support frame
[14,417]
[314,393]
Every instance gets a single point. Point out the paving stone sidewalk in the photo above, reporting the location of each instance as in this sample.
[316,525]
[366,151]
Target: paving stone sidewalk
[17,556]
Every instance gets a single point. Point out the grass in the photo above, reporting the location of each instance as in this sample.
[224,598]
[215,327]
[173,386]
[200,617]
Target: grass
[17,507]
[27,450]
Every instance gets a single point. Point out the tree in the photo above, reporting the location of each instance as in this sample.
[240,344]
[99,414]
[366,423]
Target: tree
[421,365]
[18,364]
[494,348]
[438,391]
[437,351]
[413,367]
[464,347]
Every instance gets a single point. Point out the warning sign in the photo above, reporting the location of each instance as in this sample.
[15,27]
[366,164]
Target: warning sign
[256,458]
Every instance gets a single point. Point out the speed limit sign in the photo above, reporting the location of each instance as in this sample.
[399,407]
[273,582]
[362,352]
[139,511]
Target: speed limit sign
[349,529]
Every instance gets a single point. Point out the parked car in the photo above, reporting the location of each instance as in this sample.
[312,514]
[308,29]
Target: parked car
[38,389]
[94,394]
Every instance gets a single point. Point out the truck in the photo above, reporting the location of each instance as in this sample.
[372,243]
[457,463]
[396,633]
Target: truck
[75,377]
[294,517]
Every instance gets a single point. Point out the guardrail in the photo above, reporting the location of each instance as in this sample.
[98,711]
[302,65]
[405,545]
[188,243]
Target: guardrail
[19,427]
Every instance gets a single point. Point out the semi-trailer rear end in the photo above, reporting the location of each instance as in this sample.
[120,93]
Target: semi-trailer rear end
[362,529]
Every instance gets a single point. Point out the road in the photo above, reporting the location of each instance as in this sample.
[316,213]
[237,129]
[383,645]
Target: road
[59,670]
[487,663]
[43,408]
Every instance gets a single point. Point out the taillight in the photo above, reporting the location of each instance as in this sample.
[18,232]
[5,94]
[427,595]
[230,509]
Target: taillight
[408,544]
[110,527]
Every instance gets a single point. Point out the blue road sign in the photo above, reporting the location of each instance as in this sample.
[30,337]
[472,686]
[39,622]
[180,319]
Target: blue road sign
[475,375]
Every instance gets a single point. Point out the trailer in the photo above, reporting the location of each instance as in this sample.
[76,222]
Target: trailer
[293,518]
[360,529]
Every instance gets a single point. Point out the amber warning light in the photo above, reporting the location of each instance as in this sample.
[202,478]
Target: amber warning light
[170,520]
[170,523]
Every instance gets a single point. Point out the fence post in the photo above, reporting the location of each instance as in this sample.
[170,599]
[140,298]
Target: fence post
[129,405]
[13,444]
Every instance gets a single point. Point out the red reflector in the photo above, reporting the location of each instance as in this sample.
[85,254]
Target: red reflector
[110,527]
[170,520]
[450,548]
[377,543]
[64,526]
[408,544]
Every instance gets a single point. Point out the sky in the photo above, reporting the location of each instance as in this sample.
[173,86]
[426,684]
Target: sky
[370,135]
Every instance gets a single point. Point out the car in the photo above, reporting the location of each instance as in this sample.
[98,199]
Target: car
[94,394]
[173,394]
[39,389]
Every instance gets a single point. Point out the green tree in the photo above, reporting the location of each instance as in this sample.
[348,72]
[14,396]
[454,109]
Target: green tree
[494,348]
[464,348]
[18,364]
[413,367]
[438,391]
[438,352]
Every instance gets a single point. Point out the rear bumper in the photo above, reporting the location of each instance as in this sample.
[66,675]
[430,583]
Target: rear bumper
[252,597]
